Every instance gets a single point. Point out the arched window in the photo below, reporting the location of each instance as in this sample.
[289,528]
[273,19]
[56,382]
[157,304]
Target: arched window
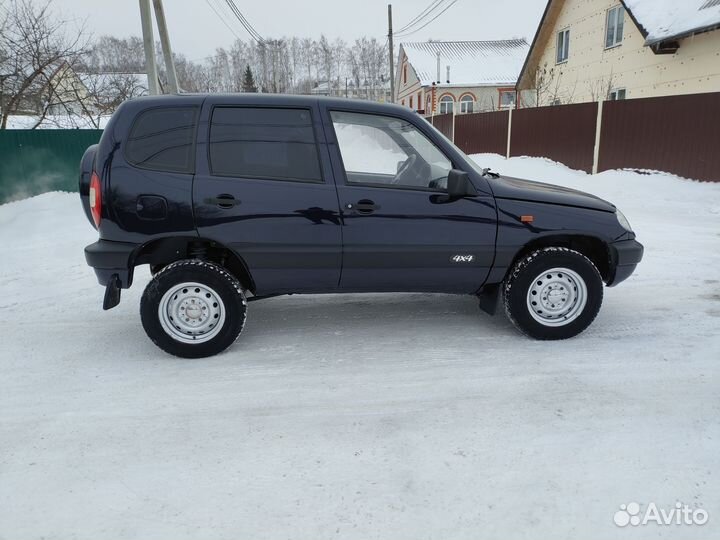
[467,103]
[446,104]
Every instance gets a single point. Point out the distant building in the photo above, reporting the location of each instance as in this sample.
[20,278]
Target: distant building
[586,50]
[68,92]
[46,94]
[350,89]
[437,77]
[108,90]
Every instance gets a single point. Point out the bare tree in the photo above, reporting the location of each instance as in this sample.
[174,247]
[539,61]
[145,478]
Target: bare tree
[339,53]
[367,60]
[37,48]
[112,54]
[326,60]
[601,87]
[542,83]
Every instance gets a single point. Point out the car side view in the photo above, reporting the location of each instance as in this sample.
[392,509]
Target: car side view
[236,198]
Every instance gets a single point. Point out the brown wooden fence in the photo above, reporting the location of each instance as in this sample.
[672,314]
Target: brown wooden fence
[476,133]
[675,134]
[565,133]
[444,124]
[678,134]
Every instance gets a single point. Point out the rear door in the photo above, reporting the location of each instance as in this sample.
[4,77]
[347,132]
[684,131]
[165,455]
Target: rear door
[401,233]
[264,188]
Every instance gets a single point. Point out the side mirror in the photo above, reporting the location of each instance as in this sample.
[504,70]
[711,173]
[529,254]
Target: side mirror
[459,185]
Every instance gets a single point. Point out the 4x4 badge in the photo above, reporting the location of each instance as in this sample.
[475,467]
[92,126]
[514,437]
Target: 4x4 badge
[463,258]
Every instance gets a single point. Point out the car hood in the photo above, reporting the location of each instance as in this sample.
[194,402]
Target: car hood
[506,187]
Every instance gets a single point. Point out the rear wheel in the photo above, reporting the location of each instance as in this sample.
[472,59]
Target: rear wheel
[193,309]
[553,293]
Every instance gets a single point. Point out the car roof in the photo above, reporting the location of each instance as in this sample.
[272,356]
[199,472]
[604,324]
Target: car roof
[271,100]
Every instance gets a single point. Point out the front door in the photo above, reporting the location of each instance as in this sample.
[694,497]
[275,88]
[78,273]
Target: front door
[266,191]
[401,232]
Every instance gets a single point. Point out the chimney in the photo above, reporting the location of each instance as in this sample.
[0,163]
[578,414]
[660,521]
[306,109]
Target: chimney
[448,73]
[438,67]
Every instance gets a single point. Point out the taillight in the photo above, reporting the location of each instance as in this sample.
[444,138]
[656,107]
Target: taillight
[95,198]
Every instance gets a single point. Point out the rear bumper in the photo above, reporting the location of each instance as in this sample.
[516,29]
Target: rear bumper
[624,258]
[111,258]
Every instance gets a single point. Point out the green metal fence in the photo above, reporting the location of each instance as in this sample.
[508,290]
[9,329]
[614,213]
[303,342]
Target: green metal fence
[34,161]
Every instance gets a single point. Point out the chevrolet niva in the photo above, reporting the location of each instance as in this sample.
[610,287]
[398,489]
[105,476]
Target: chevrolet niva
[234,198]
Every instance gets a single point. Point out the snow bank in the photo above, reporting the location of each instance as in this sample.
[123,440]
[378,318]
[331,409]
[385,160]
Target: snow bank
[60,121]
[363,416]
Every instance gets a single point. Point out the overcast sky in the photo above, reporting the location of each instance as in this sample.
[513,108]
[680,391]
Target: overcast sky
[196,31]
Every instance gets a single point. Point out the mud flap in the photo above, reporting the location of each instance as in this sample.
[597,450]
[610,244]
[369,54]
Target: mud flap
[489,299]
[112,292]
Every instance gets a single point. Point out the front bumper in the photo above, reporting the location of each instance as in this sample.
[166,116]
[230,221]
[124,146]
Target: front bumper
[111,258]
[624,258]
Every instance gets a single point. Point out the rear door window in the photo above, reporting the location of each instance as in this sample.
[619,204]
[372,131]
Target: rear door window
[163,138]
[264,142]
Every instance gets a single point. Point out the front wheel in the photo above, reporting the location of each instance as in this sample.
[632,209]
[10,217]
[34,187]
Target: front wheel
[193,309]
[553,293]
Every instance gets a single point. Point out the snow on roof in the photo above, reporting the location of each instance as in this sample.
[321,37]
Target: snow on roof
[472,63]
[667,19]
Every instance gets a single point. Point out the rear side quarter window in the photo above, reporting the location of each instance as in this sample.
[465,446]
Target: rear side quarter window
[264,142]
[162,139]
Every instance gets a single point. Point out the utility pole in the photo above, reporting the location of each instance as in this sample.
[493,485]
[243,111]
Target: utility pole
[165,42]
[149,45]
[392,59]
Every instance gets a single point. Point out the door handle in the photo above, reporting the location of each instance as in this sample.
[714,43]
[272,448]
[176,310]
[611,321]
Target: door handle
[223,201]
[364,206]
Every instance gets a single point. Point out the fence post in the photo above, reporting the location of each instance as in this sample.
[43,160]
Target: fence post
[509,138]
[452,138]
[598,130]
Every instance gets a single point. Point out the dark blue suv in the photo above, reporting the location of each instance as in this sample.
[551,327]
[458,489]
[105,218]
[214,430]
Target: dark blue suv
[233,198]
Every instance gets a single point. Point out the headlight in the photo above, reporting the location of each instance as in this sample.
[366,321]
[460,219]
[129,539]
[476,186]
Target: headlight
[624,223]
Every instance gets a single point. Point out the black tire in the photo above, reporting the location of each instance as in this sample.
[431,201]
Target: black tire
[521,282]
[230,311]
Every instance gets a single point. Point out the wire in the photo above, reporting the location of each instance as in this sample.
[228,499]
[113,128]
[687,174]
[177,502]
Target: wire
[240,17]
[222,19]
[420,15]
[451,4]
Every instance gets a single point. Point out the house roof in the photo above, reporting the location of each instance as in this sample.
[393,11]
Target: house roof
[472,63]
[662,20]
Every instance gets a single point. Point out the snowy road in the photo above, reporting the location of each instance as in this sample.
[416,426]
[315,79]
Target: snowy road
[374,416]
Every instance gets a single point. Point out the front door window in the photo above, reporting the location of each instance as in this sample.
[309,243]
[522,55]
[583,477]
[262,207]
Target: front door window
[383,151]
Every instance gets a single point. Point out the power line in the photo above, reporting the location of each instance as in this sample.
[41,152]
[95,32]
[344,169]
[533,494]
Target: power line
[451,4]
[222,19]
[246,24]
[420,15]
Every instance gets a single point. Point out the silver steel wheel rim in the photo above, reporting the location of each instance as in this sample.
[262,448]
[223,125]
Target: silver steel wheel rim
[191,313]
[557,297]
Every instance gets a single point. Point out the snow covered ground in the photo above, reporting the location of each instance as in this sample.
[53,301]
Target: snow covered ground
[59,121]
[373,416]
